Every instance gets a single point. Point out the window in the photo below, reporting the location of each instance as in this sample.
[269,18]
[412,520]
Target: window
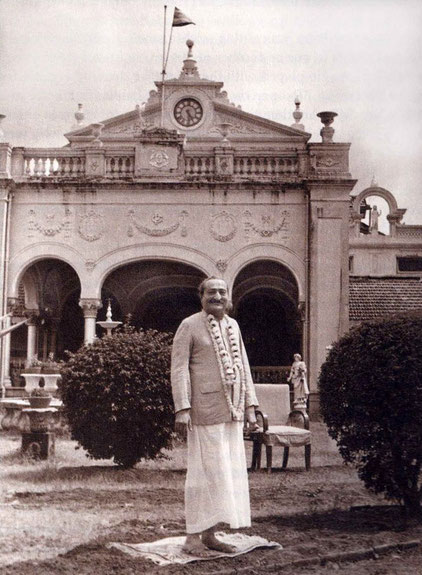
[409,264]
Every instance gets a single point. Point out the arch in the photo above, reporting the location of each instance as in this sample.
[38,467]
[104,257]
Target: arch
[269,252]
[376,191]
[21,262]
[157,293]
[266,304]
[142,252]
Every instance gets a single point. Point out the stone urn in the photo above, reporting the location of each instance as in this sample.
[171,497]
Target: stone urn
[39,402]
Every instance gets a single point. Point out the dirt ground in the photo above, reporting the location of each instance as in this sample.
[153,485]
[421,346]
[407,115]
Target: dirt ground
[325,511]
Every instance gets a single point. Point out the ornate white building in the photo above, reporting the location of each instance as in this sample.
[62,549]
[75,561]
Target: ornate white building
[140,207]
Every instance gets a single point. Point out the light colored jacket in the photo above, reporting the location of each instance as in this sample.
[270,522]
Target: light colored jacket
[195,374]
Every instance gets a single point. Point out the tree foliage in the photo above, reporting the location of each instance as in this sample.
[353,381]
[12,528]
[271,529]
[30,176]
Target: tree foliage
[117,396]
[371,400]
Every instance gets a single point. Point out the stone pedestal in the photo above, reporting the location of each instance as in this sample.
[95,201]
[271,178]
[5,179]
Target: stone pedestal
[38,444]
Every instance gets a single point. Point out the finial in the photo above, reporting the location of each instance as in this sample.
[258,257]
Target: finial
[297,115]
[96,130]
[189,64]
[224,129]
[79,115]
[374,183]
[327,133]
[2,117]
[108,314]
[189,44]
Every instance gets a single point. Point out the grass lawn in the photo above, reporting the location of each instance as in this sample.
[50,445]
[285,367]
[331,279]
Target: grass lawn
[58,516]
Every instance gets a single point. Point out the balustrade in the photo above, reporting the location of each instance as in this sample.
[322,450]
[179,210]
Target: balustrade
[118,166]
[67,163]
[45,164]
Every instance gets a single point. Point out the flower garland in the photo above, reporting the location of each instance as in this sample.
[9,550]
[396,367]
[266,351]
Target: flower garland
[229,368]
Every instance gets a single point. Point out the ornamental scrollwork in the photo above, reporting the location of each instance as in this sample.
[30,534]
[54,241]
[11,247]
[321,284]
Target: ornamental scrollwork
[157,230]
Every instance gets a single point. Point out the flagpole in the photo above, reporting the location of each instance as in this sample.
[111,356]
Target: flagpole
[163,73]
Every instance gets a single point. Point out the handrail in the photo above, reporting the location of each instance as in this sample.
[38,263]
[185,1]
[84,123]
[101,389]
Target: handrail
[7,330]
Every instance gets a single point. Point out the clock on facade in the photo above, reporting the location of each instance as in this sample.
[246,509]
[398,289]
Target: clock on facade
[188,112]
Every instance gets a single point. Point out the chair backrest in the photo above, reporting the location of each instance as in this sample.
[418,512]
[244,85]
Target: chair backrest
[274,401]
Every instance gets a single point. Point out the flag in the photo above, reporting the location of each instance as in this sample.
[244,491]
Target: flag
[180,19]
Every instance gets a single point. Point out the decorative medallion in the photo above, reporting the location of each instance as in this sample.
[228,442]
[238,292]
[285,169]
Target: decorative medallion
[223,227]
[269,225]
[157,230]
[91,226]
[90,265]
[158,159]
[94,166]
[221,265]
[51,226]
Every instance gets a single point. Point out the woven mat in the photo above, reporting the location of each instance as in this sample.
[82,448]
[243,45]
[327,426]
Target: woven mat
[170,550]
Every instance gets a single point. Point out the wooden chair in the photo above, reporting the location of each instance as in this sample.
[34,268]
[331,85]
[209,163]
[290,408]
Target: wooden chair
[278,426]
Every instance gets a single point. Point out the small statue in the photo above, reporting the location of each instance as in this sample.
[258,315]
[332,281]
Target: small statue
[298,378]
[375,214]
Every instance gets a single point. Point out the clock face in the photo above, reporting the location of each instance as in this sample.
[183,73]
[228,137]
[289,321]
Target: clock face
[188,112]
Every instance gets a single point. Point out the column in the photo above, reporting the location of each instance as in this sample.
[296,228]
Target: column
[90,308]
[6,353]
[31,345]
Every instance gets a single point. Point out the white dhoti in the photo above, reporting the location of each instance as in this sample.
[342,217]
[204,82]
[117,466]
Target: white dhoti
[216,489]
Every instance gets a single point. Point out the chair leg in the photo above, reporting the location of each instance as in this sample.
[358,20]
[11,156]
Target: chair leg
[286,457]
[307,457]
[269,454]
[256,455]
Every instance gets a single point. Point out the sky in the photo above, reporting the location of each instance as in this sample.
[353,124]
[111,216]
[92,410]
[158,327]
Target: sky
[359,58]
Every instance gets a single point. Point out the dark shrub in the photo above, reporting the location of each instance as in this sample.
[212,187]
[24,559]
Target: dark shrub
[371,400]
[117,396]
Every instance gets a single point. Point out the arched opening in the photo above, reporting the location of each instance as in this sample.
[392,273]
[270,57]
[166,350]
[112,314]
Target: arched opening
[156,294]
[45,288]
[265,298]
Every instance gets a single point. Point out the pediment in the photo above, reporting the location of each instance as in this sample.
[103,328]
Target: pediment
[243,125]
[246,124]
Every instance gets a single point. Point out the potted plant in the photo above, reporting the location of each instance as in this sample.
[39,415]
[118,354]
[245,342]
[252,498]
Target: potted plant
[40,398]
[33,365]
[50,365]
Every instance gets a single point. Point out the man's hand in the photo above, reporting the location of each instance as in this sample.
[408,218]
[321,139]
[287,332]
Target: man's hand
[183,422]
[251,418]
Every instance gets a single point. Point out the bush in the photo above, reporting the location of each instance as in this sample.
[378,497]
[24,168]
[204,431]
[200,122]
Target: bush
[117,396]
[371,400]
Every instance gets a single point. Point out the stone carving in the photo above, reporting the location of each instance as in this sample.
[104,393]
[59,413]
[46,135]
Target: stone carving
[90,265]
[223,227]
[158,158]
[52,225]
[221,265]
[90,306]
[156,220]
[94,166]
[127,128]
[269,226]
[91,226]
[239,127]
[328,162]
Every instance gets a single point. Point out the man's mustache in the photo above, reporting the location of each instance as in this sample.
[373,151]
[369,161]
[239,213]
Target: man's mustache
[215,301]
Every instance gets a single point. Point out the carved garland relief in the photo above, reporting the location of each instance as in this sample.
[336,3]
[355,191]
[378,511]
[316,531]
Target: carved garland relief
[157,230]
[269,225]
[51,225]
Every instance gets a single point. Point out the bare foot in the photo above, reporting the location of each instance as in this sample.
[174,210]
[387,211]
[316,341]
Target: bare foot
[211,541]
[197,548]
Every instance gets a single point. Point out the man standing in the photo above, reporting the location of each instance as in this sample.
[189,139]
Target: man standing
[212,386]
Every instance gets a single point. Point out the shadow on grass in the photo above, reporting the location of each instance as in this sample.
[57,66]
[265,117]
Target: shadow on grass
[106,473]
[364,519]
